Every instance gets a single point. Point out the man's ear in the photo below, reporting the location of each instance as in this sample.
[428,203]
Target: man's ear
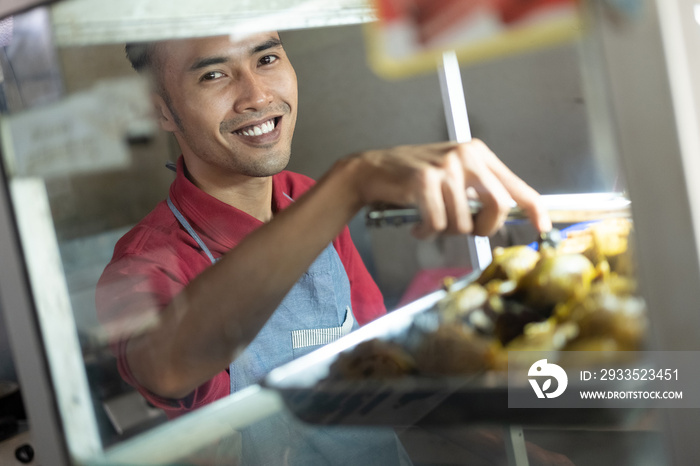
[165,116]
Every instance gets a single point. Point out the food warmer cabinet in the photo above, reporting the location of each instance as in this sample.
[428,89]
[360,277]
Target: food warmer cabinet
[642,94]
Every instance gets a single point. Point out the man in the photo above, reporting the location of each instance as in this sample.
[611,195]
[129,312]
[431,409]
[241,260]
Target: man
[243,265]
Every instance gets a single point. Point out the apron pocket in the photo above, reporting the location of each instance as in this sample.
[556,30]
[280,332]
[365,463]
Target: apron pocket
[306,340]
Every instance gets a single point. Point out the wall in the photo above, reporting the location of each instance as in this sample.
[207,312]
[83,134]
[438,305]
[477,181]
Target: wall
[92,204]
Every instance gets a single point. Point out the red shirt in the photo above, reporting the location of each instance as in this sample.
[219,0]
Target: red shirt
[157,258]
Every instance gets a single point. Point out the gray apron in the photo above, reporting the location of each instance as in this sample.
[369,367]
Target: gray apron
[316,311]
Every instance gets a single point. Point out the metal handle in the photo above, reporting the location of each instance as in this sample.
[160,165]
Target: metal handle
[562,208]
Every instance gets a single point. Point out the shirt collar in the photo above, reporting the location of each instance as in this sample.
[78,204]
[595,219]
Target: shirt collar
[221,224]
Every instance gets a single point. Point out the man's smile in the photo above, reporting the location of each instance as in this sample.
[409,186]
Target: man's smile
[262,131]
[258,129]
[236,103]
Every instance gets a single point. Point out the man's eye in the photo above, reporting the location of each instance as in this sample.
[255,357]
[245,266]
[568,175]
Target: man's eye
[211,75]
[268,59]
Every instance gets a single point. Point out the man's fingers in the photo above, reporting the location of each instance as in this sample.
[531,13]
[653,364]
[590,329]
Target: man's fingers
[493,195]
[459,218]
[430,203]
[436,176]
[526,197]
[496,205]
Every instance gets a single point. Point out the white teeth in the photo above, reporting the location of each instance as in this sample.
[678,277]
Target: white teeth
[258,130]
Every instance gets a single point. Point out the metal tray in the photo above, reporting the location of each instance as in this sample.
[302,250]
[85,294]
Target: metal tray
[412,400]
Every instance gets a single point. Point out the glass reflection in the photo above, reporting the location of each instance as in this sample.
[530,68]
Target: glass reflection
[343,109]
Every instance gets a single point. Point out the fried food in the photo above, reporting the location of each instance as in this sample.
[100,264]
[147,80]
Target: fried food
[452,350]
[580,296]
[509,264]
[377,359]
[556,278]
[611,311]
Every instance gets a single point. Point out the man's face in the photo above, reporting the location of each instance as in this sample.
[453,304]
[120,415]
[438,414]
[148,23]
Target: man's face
[231,105]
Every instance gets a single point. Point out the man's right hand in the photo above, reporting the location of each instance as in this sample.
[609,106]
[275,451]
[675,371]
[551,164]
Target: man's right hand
[435,177]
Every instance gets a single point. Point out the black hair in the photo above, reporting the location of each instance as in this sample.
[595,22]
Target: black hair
[143,59]
[141,55]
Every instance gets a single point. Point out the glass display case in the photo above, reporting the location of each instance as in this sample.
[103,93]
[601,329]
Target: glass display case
[83,161]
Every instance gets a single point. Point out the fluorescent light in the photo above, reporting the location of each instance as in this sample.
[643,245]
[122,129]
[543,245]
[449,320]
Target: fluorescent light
[696,9]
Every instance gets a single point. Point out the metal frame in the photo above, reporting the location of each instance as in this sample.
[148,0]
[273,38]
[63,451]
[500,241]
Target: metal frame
[458,129]
[56,323]
[26,342]
[16,298]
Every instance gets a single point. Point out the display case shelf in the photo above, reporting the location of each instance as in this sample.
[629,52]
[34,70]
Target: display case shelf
[84,22]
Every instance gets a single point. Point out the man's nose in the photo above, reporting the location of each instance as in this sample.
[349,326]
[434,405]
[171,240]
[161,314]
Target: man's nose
[254,93]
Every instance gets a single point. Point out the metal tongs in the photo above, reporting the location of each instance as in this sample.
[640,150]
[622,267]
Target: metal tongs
[562,208]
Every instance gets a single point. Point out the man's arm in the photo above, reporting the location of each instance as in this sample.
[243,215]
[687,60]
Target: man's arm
[220,312]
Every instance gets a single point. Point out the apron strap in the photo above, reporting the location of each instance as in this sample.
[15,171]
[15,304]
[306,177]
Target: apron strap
[186,225]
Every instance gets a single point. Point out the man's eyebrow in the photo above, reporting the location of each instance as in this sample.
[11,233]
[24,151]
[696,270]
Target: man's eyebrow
[208,61]
[268,44]
[217,60]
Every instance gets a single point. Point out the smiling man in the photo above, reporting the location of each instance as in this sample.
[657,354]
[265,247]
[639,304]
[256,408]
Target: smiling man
[227,98]
[246,266]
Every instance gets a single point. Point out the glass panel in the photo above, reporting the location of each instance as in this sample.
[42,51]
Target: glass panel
[462,443]
[86,162]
